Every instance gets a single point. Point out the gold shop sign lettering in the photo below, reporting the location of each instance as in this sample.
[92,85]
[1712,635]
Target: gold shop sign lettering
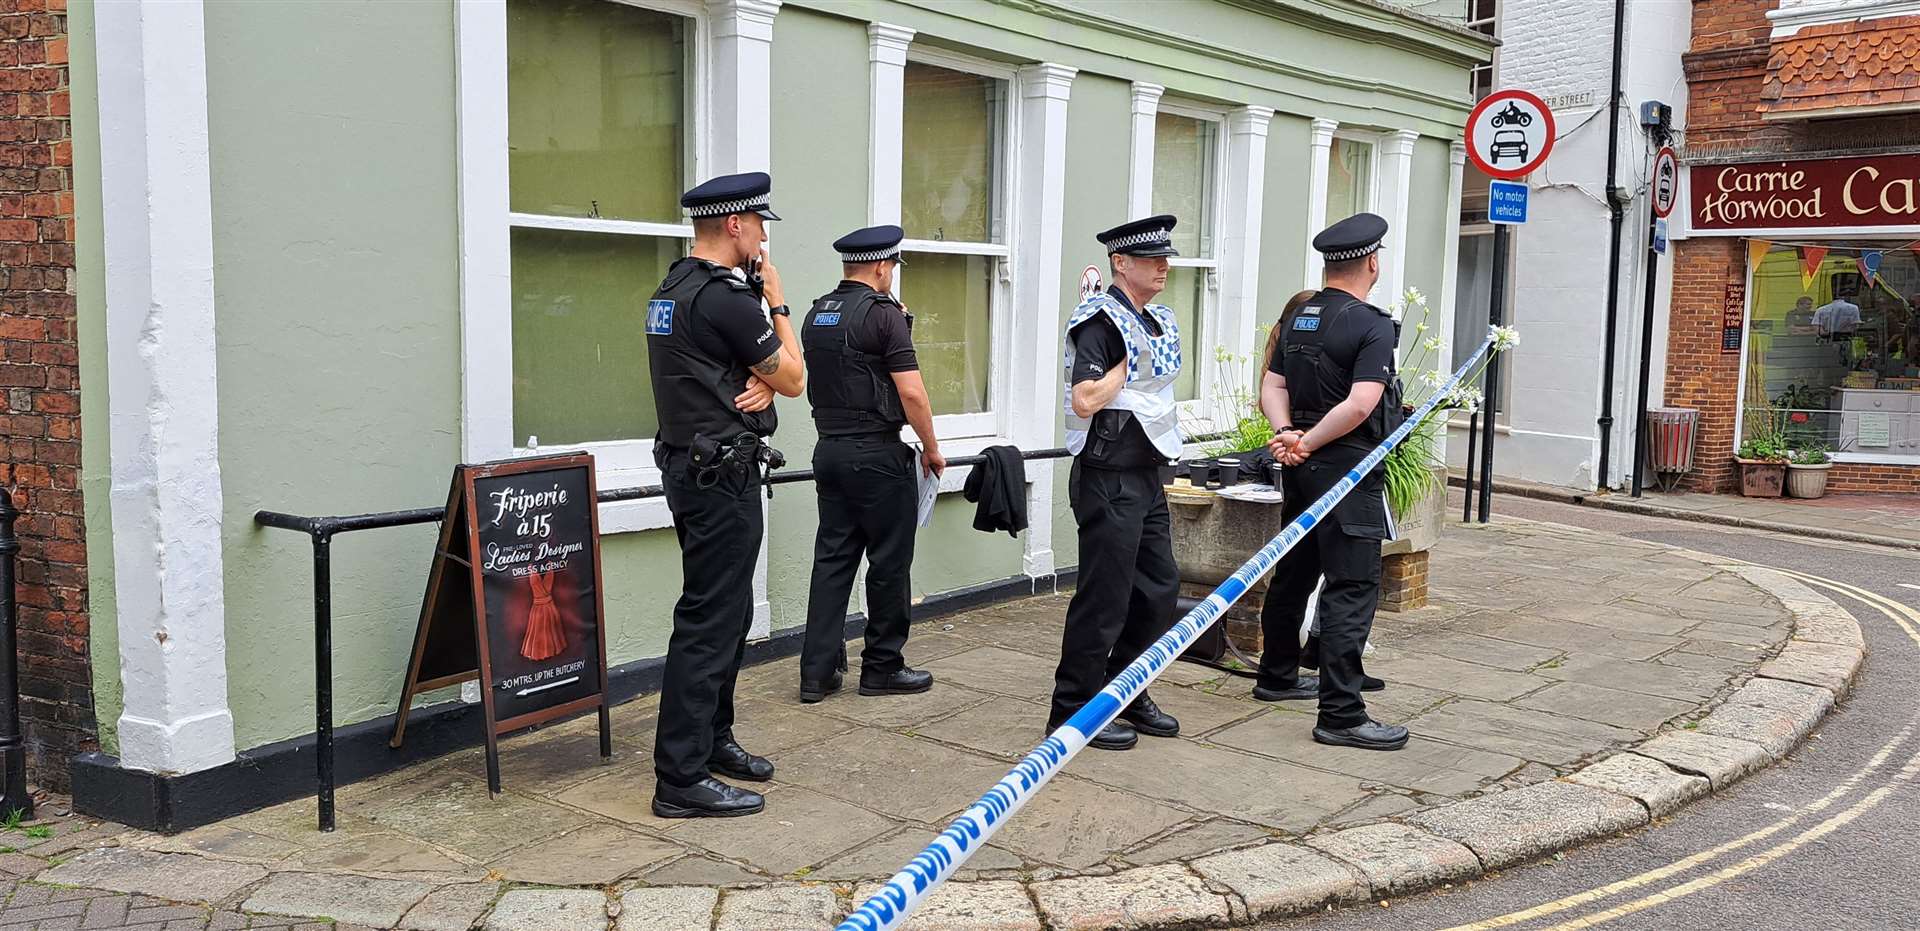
[1877,190]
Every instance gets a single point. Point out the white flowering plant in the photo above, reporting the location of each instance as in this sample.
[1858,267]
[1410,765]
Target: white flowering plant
[1410,477]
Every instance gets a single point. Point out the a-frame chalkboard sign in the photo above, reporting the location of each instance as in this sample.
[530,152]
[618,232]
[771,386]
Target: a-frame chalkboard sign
[514,599]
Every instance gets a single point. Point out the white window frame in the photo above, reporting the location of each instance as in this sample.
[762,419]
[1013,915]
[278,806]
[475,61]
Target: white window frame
[968,434]
[1375,142]
[1207,316]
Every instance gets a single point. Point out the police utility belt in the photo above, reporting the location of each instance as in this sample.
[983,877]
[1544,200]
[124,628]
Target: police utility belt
[744,454]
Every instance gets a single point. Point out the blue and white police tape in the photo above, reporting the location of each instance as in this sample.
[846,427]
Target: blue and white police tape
[893,902]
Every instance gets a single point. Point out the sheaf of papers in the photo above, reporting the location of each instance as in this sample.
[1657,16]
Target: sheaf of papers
[1261,494]
[929,492]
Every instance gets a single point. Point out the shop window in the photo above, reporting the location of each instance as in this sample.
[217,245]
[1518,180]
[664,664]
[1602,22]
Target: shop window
[598,140]
[1349,178]
[1186,151]
[1832,352]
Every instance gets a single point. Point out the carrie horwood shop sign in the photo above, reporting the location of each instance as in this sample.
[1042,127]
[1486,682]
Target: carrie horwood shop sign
[1879,190]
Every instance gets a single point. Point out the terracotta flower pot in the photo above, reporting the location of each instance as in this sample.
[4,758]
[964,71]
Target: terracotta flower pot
[1759,479]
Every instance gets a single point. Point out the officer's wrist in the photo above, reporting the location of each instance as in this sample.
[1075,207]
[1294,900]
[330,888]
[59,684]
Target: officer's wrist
[778,309]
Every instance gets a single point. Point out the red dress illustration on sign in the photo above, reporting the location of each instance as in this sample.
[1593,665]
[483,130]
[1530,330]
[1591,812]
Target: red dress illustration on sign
[546,637]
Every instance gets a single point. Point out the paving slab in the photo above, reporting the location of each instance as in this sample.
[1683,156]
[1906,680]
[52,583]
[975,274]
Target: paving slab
[1196,840]
[1375,807]
[1657,785]
[1203,778]
[178,877]
[1006,728]
[1572,637]
[1148,897]
[1721,760]
[1397,859]
[775,728]
[880,859]
[383,853]
[969,906]
[1658,677]
[451,908]
[549,910]
[624,795]
[918,780]
[345,898]
[800,828]
[1471,648]
[779,906]
[1617,616]
[1202,712]
[454,810]
[1523,732]
[1077,824]
[1277,879]
[1424,765]
[899,711]
[998,670]
[598,854]
[1738,633]
[1629,710]
[1521,824]
[1451,675]
[1827,665]
[673,908]
[1770,712]
[701,871]
[227,841]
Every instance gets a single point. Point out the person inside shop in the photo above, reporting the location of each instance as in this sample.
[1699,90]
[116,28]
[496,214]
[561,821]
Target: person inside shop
[717,359]
[1800,318]
[1837,319]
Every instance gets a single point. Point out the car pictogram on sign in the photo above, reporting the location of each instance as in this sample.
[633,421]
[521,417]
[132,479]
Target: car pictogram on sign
[1508,143]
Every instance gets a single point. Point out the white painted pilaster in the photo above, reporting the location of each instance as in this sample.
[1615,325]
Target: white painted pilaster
[1321,139]
[1039,201]
[1146,111]
[886,118]
[1396,196]
[486,254]
[1246,173]
[742,76]
[165,491]
[1449,269]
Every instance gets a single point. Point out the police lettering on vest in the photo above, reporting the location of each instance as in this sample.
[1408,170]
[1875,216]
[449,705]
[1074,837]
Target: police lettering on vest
[850,390]
[1153,364]
[693,384]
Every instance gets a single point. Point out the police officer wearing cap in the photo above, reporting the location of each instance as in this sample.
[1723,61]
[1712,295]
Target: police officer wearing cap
[866,385]
[717,360]
[1123,355]
[1332,394]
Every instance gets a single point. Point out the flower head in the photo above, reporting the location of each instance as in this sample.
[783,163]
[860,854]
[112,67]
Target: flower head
[1431,343]
[1414,298]
[1504,337]
[1432,378]
[1465,397]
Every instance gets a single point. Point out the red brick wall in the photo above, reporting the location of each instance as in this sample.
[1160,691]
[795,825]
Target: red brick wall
[1880,479]
[39,385]
[1699,375]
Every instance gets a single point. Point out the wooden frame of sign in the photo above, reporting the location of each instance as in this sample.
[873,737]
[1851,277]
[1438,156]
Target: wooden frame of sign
[529,622]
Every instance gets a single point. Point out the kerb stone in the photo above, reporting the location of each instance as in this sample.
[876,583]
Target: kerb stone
[1722,760]
[549,910]
[347,899]
[1654,783]
[668,908]
[175,877]
[1282,879]
[1829,666]
[451,908]
[1521,824]
[782,905]
[1149,897]
[1770,712]
[1397,859]
[973,906]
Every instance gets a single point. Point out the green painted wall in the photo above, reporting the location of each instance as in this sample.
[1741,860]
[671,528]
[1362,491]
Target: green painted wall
[1283,220]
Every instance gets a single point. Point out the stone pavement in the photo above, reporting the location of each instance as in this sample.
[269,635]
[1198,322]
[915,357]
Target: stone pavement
[1546,649]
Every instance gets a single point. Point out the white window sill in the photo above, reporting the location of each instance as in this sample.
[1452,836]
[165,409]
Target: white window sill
[1877,458]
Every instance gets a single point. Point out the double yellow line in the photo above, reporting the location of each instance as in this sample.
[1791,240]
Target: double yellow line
[1908,620]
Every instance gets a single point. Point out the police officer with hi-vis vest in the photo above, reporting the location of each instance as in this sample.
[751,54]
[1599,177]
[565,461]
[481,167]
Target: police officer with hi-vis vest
[1123,427]
[1332,394]
[717,360]
[866,385]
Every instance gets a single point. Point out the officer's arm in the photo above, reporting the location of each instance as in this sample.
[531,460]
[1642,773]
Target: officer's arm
[1092,397]
[919,410]
[1274,401]
[1097,340]
[783,371]
[1345,416]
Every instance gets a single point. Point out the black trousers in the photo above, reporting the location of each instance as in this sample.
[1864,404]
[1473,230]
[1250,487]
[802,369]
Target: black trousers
[719,529]
[869,495]
[1128,584]
[1346,549]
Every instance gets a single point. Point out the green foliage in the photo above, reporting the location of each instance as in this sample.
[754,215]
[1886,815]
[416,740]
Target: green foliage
[40,832]
[1766,439]
[1410,477]
[1250,434]
[1763,449]
[1811,455]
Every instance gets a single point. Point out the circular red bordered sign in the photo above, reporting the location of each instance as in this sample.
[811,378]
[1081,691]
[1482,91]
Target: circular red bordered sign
[1509,134]
[1666,181]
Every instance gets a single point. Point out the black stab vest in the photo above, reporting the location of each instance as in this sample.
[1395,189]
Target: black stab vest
[851,391]
[693,390]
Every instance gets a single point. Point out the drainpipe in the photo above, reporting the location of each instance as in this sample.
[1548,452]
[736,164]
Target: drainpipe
[1618,214]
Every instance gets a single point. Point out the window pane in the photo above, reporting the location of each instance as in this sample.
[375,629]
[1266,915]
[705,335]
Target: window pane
[1183,178]
[596,101]
[950,296]
[1184,293]
[948,177]
[579,341]
[1349,179]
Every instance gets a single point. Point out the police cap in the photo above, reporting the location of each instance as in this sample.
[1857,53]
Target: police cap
[1149,237]
[870,245]
[730,194]
[1355,237]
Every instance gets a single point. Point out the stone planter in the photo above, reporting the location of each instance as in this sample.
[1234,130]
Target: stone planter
[1807,481]
[1761,479]
[1212,538]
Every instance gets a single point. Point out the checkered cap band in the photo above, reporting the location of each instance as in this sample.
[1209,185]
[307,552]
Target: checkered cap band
[874,256]
[725,207]
[1139,238]
[1349,254]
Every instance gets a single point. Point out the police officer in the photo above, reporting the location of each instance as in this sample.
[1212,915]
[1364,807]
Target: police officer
[866,385]
[717,360]
[1332,394]
[1123,355]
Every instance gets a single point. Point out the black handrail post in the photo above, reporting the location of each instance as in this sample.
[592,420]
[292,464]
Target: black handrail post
[1473,439]
[323,667]
[13,748]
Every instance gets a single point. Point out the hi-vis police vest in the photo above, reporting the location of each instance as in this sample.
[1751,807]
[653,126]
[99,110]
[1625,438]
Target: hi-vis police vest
[851,391]
[693,390]
[1153,363]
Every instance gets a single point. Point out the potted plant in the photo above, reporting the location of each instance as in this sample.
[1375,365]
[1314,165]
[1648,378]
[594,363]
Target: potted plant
[1807,472]
[1763,457]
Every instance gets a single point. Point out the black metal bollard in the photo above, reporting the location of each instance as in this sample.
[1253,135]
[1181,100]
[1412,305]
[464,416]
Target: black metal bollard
[13,748]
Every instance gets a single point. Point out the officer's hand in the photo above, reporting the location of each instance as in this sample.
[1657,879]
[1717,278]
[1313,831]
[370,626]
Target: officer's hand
[932,463]
[1301,450]
[770,277]
[758,395]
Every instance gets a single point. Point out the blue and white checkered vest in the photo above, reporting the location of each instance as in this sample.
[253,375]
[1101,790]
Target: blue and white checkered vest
[1153,363]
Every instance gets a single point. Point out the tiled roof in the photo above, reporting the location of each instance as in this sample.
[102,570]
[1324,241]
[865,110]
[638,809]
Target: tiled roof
[1845,67]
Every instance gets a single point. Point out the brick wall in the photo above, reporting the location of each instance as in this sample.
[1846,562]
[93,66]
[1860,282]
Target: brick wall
[1879,479]
[39,385]
[1699,375]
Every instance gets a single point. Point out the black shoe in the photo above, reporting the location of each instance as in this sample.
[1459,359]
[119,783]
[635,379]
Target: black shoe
[731,759]
[1147,718]
[708,798]
[1306,689]
[1371,684]
[902,681]
[1372,735]
[1116,736]
[811,691]
[1310,652]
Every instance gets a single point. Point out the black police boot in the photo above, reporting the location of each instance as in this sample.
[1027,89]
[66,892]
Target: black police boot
[811,691]
[1371,684]
[731,759]
[902,681]
[1147,718]
[1116,736]
[708,798]
[1371,735]
[1306,689]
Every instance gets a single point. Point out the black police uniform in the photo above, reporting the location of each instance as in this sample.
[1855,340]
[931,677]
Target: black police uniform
[705,330]
[1335,340]
[1127,586]
[855,338]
